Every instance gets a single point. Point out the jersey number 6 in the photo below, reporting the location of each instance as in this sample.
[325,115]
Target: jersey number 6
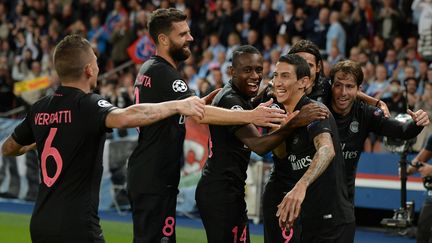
[47,151]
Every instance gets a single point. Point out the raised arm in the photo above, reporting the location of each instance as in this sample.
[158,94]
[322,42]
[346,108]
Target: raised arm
[261,145]
[289,208]
[396,129]
[250,136]
[260,116]
[144,114]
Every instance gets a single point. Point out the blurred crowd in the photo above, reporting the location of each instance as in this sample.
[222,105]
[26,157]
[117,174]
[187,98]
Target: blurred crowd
[392,39]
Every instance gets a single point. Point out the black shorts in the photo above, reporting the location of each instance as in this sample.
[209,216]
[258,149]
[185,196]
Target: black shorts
[272,197]
[223,213]
[153,217]
[343,233]
[69,238]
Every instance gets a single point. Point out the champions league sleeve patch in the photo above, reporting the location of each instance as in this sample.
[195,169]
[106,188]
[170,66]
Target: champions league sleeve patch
[236,107]
[179,86]
[104,103]
[377,112]
[312,124]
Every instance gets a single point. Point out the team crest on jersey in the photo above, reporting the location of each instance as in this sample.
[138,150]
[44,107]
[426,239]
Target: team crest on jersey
[236,107]
[354,126]
[179,86]
[104,103]
[275,106]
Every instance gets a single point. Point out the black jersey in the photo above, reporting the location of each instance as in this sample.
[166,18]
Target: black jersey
[69,130]
[326,202]
[354,129]
[428,145]
[155,163]
[229,157]
[321,91]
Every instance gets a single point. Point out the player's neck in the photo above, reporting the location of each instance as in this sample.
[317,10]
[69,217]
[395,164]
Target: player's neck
[85,87]
[291,103]
[167,57]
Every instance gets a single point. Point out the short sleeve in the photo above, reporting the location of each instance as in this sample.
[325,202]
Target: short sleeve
[429,144]
[317,127]
[96,108]
[167,85]
[232,102]
[23,134]
[375,117]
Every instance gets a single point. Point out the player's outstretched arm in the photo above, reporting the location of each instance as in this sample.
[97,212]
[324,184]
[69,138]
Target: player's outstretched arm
[251,137]
[289,208]
[260,116]
[11,148]
[144,114]
[396,129]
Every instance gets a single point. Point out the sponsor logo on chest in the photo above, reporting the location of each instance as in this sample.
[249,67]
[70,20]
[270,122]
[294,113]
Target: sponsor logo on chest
[299,163]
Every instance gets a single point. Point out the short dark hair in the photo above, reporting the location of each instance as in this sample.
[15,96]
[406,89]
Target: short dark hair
[239,51]
[300,65]
[309,47]
[71,55]
[161,21]
[348,67]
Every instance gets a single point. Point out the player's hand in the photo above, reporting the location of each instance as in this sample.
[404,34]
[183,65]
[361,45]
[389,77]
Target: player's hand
[383,106]
[425,170]
[420,117]
[265,116]
[309,113]
[208,99]
[192,106]
[410,170]
[289,208]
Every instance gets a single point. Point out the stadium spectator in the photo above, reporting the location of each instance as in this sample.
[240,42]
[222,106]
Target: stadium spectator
[336,35]
[424,27]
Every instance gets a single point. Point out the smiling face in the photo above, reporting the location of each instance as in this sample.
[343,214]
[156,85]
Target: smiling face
[287,87]
[247,73]
[344,92]
[179,40]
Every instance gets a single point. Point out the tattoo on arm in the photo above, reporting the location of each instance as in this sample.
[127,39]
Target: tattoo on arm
[322,158]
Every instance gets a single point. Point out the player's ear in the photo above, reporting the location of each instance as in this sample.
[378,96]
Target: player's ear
[304,82]
[163,39]
[88,71]
[231,71]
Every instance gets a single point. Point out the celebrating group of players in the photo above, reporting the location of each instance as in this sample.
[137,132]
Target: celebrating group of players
[310,193]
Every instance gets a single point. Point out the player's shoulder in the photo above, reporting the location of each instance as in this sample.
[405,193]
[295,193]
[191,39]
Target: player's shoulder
[230,98]
[367,110]
[93,100]
[158,67]
[307,100]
